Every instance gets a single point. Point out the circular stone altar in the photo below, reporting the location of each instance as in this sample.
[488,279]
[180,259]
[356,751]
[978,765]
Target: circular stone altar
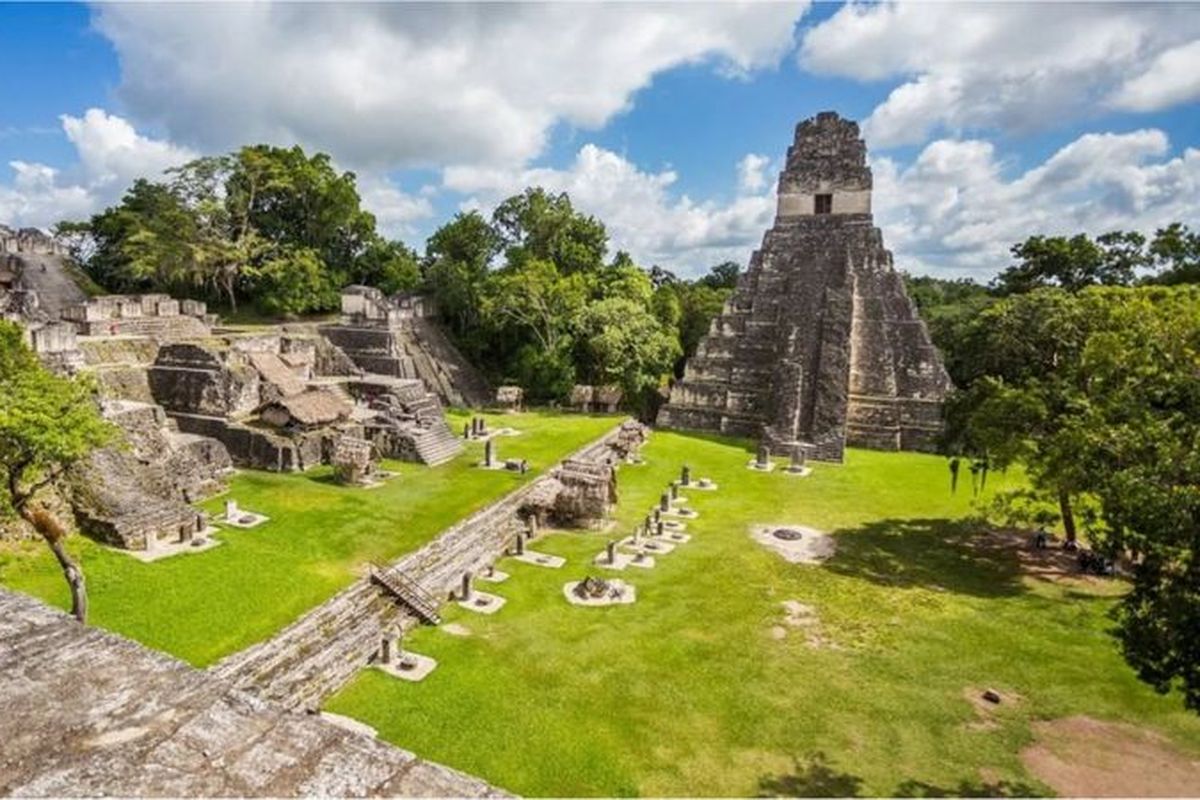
[795,543]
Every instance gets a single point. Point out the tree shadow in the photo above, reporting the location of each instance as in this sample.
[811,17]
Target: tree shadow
[812,777]
[967,788]
[938,554]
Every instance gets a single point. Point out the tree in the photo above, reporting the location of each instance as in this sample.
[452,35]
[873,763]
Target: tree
[722,276]
[1023,392]
[622,343]
[457,258]
[47,423]
[1113,259]
[1176,252]
[1096,393]
[537,225]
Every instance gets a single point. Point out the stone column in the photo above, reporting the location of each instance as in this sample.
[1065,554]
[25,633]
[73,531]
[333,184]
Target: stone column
[674,490]
[685,476]
[466,430]
[520,544]
[664,502]
[611,550]
[489,453]
[797,464]
[467,592]
[764,456]
[659,529]
[385,649]
[231,510]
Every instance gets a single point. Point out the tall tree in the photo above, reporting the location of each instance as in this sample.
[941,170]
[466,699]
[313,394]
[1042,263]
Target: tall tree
[47,423]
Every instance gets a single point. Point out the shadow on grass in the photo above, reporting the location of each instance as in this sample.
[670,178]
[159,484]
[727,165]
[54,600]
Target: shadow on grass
[965,788]
[928,553]
[812,777]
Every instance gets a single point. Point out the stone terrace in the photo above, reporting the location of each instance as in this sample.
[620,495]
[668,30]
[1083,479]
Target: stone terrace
[88,713]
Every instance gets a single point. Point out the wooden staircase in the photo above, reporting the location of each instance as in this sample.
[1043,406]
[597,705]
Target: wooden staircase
[408,592]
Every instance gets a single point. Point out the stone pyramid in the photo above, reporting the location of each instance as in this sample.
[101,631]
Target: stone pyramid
[820,345]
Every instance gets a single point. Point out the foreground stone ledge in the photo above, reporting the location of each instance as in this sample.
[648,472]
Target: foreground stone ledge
[88,713]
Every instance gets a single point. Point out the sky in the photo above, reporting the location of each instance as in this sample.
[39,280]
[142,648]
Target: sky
[985,122]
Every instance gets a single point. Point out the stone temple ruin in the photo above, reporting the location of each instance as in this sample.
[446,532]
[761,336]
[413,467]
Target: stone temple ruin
[194,400]
[397,336]
[819,346]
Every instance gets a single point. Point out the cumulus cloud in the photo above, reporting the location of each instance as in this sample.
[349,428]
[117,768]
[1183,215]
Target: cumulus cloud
[954,212]
[752,175]
[111,154]
[1173,78]
[1006,66]
[642,214]
[383,85]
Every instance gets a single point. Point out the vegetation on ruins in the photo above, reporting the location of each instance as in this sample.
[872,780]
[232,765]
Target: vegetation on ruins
[47,423]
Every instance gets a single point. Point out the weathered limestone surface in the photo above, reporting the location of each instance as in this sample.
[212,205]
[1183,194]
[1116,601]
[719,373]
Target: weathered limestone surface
[319,653]
[819,345]
[88,714]
[130,497]
[396,336]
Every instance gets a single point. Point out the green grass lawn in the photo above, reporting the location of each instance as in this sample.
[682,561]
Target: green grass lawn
[687,691]
[206,605]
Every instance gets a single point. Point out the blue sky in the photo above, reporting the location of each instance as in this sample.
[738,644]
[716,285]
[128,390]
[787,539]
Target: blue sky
[986,123]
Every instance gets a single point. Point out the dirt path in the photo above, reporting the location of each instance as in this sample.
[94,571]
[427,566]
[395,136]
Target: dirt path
[1085,757]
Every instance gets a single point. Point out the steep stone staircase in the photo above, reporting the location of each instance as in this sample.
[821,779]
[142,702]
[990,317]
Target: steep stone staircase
[423,604]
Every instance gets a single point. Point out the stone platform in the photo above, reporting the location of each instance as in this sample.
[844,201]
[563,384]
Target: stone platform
[88,713]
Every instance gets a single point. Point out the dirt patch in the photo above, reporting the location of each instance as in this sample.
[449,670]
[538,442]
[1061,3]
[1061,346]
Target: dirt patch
[1085,757]
[801,617]
[1051,564]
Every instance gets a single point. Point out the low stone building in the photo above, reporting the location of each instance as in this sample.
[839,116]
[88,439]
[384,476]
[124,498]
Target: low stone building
[595,399]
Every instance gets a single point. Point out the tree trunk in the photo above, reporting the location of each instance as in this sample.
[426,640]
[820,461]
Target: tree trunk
[1068,516]
[74,576]
[229,290]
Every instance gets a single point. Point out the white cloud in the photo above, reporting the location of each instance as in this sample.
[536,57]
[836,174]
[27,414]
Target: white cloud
[642,214]
[953,212]
[385,85]
[111,155]
[1006,66]
[752,173]
[1173,78]
[395,210]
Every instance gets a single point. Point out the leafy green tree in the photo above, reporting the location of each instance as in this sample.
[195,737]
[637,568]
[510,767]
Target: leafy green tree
[537,225]
[47,423]
[1113,259]
[390,266]
[622,343]
[1176,252]
[722,276]
[1096,393]
[147,241]
[1022,398]
[457,260]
